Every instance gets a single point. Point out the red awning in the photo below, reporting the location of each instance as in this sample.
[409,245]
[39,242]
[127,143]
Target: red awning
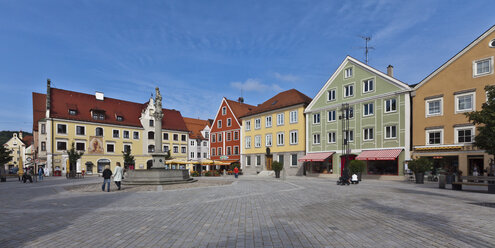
[319,157]
[386,154]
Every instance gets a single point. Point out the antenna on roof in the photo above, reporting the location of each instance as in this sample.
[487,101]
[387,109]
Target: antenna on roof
[366,48]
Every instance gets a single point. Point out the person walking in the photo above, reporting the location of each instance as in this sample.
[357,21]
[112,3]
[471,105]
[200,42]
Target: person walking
[40,173]
[107,174]
[117,176]
[236,172]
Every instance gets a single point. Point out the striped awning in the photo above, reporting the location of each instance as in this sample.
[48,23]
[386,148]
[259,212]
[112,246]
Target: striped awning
[318,157]
[385,154]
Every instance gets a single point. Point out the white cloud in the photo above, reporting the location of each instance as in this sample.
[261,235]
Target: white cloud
[286,77]
[255,85]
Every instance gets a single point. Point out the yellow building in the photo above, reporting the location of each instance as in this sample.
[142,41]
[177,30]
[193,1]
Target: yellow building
[441,131]
[102,128]
[20,147]
[279,125]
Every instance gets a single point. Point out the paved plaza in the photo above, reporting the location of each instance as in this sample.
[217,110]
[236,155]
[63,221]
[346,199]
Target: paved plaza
[250,212]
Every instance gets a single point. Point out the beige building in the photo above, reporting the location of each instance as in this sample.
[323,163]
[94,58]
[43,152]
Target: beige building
[21,147]
[440,129]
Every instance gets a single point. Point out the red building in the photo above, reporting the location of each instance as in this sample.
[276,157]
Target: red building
[225,140]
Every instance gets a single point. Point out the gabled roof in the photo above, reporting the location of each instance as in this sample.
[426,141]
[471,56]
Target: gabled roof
[27,140]
[459,54]
[364,66]
[63,100]
[195,127]
[238,108]
[39,109]
[281,100]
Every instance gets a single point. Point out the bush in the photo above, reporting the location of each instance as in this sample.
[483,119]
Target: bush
[277,166]
[420,165]
[356,166]
[194,174]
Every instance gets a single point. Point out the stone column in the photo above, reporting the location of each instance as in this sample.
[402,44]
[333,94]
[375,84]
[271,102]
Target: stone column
[158,115]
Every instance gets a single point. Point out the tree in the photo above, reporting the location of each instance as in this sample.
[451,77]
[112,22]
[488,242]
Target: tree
[168,156]
[5,155]
[485,119]
[128,158]
[73,157]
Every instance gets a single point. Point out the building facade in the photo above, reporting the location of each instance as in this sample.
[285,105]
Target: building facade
[21,151]
[102,128]
[275,131]
[225,140]
[199,141]
[441,131]
[377,129]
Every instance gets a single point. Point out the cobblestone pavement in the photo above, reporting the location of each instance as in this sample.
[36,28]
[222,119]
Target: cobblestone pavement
[251,212]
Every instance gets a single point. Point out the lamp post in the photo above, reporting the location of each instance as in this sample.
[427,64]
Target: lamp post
[344,117]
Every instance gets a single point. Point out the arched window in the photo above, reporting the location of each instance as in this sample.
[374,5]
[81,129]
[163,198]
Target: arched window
[151,135]
[151,148]
[99,131]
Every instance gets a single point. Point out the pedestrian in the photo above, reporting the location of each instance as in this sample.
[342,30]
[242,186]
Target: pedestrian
[107,174]
[236,172]
[117,177]
[40,173]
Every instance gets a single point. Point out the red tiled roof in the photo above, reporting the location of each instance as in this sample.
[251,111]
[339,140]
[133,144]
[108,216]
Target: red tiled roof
[27,140]
[39,109]
[281,100]
[196,126]
[62,100]
[239,109]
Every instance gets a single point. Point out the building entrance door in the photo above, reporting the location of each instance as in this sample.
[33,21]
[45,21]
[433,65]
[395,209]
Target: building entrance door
[475,163]
[269,161]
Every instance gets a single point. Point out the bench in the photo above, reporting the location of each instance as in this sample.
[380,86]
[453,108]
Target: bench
[475,181]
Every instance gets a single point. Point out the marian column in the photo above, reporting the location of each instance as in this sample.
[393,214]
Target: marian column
[158,155]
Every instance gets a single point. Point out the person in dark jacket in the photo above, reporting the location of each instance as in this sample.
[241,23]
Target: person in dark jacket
[107,174]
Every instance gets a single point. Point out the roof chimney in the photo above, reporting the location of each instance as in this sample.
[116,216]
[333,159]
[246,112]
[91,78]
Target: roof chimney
[99,96]
[390,70]
[20,134]
[240,99]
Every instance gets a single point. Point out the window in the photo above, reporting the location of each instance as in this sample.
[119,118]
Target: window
[72,112]
[151,135]
[293,159]
[293,116]
[219,151]
[120,118]
[80,130]
[213,151]
[152,123]
[464,135]
[483,67]
[192,154]
[281,158]
[98,115]
[198,155]
[193,143]
[236,150]
[331,95]
[61,145]
[280,119]
[228,136]
[116,133]
[205,155]
[99,131]
[110,148]
[224,110]
[331,137]
[135,135]
[348,72]
[257,123]
[183,149]
[80,146]
[349,136]
[349,113]
[248,160]
[349,90]
[127,148]
[257,141]
[151,148]
[368,86]
[434,137]
[165,136]
[183,137]
[176,149]
[176,137]
[219,123]
[367,134]
[368,109]
[43,128]
[125,134]
[43,146]
[213,138]
[229,150]
[464,102]
[268,140]
[248,142]
[258,160]
[220,137]
[293,137]
[390,105]
[331,115]
[434,107]
[390,132]
[207,135]
[280,139]
[316,138]
[248,125]
[166,148]
[268,121]
[61,129]
[236,135]
[229,122]
[316,118]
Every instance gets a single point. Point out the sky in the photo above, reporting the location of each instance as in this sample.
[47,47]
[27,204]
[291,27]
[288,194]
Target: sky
[197,52]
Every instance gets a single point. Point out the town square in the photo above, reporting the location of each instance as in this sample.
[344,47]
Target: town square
[247,123]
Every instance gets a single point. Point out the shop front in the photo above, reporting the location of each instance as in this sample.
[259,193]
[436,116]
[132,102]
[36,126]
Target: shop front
[381,162]
[317,163]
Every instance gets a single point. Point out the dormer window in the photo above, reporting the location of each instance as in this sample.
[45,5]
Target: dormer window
[152,123]
[120,118]
[98,114]
[72,112]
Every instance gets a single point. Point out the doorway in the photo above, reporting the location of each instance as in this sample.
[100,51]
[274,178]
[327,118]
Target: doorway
[102,163]
[475,163]
[269,161]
